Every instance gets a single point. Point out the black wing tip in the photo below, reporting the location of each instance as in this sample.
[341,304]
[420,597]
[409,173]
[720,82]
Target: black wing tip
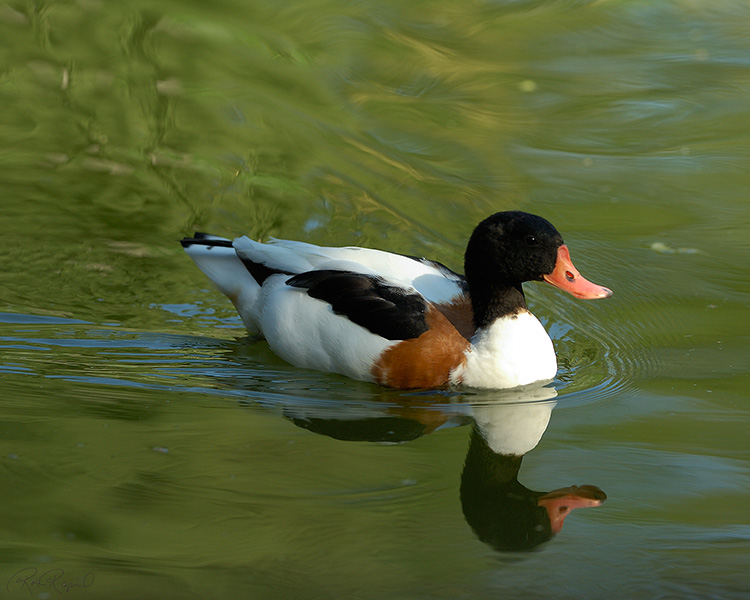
[205,239]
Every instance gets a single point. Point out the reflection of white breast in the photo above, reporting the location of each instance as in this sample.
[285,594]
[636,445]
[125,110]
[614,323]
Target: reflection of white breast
[515,424]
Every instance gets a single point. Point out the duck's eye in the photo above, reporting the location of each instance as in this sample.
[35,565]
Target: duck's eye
[531,240]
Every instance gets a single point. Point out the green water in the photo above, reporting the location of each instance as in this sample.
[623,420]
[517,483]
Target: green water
[149,449]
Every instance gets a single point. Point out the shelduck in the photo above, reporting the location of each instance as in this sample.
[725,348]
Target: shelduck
[401,321]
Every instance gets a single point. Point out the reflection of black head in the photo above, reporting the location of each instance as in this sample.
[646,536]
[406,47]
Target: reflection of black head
[501,511]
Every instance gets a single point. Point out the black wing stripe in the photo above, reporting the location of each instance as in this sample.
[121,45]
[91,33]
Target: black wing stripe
[389,311]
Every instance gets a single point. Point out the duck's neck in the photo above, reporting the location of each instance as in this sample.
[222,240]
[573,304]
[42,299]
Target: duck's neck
[493,301]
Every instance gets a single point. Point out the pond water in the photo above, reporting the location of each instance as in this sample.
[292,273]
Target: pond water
[151,449]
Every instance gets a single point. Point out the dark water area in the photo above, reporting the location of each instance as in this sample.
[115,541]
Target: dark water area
[150,448]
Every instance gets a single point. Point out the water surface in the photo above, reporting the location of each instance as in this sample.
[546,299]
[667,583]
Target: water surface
[150,448]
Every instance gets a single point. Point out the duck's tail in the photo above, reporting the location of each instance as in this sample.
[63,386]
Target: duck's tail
[217,258]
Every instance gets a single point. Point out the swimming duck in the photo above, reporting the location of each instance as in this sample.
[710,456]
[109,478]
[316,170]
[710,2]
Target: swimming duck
[401,321]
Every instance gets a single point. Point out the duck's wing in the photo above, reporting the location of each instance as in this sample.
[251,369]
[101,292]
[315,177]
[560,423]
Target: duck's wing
[240,267]
[407,342]
[434,281]
[390,311]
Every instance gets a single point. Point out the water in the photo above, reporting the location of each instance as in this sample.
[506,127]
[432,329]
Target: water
[151,449]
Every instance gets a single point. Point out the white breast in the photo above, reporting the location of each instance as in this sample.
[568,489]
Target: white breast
[513,351]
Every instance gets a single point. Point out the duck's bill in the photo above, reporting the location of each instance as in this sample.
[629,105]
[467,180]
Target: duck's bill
[566,277]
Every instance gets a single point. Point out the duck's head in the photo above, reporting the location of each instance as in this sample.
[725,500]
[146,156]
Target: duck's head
[511,247]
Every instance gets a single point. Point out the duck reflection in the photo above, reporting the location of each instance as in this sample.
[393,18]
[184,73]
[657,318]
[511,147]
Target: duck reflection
[506,514]
[503,512]
[394,424]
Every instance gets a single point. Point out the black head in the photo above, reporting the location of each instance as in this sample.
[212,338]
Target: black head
[512,247]
[505,250]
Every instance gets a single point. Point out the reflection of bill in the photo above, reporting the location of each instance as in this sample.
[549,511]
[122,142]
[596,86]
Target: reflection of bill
[503,512]
[560,502]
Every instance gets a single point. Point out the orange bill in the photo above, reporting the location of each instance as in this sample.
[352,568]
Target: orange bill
[566,277]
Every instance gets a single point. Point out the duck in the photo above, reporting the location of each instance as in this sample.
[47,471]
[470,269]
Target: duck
[401,321]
